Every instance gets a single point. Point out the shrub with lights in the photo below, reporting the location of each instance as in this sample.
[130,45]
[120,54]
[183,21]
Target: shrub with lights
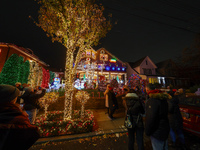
[135,81]
[54,125]
[82,97]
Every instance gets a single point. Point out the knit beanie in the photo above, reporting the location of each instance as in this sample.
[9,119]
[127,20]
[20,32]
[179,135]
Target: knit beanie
[27,91]
[8,93]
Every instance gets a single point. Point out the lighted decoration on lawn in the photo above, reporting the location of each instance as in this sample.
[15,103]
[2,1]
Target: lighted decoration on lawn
[48,99]
[82,97]
[77,25]
[89,69]
[135,81]
[53,124]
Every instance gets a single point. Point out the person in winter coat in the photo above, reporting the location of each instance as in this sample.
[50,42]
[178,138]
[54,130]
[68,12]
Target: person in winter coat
[175,120]
[16,131]
[18,86]
[106,99]
[112,102]
[156,121]
[135,109]
[31,102]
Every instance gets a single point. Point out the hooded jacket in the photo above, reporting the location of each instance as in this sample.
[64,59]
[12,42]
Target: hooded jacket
[156,121]
[31,100]
[174,115]
[134,107]
[16,130]
[112,100]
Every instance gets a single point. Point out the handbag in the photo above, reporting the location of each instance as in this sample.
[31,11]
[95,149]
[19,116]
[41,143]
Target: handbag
[128,121]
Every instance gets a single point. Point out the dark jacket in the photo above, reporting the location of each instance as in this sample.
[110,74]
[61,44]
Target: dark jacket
[174,115]
[112,100]
[31,100]
[135,108]
[16,131]
[156,121]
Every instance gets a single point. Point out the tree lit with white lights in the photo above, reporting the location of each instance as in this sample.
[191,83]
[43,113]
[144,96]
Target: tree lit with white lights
[77,24]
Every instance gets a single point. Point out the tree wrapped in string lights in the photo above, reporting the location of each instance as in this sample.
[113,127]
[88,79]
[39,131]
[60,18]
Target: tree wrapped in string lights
[48,99]
[76,24]
[82,97]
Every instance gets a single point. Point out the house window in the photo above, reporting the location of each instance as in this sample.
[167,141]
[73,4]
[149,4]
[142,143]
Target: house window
[147,71]
[146,62]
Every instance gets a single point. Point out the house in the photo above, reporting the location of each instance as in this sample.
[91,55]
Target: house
[171,73]
[101,65]
[7,49]
[146,69]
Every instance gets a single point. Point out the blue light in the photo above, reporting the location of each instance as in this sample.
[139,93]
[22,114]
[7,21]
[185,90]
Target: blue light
[84,66]
[107,68]
[123,69]
[118,68]
[113,68]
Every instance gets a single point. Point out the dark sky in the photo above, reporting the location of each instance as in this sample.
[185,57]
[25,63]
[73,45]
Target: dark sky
[160,29]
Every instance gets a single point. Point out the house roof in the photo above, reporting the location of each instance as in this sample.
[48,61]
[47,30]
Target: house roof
[163,63]
[138,62]
[26,51]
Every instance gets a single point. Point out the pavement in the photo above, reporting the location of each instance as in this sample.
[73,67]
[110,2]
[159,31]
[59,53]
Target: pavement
[103,125]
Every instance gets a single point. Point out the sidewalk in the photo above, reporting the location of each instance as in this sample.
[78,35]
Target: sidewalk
[103,126]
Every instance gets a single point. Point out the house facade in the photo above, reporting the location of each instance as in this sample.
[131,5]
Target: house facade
[101,65]
[171,72]
[146,69]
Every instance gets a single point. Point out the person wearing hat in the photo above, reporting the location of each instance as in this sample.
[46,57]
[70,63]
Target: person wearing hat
[18,85]
[31,102]
[156,119]
[135,109]
[16,130]
[112,102]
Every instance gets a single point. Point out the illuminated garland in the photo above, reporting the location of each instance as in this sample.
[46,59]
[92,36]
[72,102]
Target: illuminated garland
[45,78]
[35,74]
[54,125]
[82,97]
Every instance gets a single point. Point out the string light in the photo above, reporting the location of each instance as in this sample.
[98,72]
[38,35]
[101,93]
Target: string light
[53,124]
[82,97]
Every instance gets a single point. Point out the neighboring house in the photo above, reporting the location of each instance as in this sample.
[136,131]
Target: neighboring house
[146,69]
[170,71]
[7,49]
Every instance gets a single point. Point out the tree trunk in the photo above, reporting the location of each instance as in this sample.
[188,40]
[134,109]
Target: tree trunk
[68,85]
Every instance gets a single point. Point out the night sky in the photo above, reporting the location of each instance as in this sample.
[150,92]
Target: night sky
[160,29]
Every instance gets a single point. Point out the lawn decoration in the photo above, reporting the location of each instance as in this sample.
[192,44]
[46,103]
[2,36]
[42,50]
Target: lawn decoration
[135,82]
[53,124]
[48,99]
[82,96]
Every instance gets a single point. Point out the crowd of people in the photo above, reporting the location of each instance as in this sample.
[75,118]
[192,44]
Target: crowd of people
[18,108]
[19,105]
[158,116]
